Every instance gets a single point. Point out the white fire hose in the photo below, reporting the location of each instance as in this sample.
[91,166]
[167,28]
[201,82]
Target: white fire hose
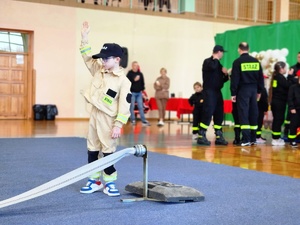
[75,175]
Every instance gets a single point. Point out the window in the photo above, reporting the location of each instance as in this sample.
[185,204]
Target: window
[13,42]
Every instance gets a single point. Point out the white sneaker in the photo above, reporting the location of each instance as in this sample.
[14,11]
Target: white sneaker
[91,186]
[160,123]
[243,144]
[260,140]
[111,190]
[195,137]
[146,124]
[278,142]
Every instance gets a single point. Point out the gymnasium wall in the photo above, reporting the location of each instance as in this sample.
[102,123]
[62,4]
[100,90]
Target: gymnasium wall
[180,45]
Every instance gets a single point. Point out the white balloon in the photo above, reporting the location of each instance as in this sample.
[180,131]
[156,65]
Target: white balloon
[276,53]
[268,53]
[262,53]
[253,54]
[264,62]
[282,58]
[284,52]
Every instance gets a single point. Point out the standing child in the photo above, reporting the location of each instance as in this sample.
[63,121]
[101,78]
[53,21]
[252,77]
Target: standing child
[196,100]
[294,109]
[278,94]
[109,95]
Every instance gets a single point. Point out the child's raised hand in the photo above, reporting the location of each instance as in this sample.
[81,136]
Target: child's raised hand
[85,30]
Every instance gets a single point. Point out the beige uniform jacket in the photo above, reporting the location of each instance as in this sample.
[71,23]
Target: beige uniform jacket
[109,91]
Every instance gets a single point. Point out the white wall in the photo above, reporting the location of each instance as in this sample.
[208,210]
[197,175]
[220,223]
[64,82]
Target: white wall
[179,45]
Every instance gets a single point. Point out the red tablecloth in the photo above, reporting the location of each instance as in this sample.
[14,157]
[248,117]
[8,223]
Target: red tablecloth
[179,105]
[182,106]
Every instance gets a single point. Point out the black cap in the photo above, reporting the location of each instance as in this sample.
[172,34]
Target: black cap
[218,48]
[108,50]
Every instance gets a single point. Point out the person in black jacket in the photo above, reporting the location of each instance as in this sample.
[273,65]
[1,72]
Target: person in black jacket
[196,100]
[293,71]
[137,86]
[247,82]
[294,109]
[278,95]
[214,77]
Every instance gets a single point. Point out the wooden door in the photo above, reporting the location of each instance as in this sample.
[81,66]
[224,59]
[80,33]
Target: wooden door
[13,86]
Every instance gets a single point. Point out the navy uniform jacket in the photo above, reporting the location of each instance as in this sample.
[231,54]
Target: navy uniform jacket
[296,68]
[213,77]
[246,70]
[280,87]
[294,97]
[196,100]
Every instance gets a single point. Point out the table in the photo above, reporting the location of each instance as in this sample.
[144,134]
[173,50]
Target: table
[182,106]
[179,105]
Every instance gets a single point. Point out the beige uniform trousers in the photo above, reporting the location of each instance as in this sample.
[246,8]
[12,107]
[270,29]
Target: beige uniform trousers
[99,133]
[99,138]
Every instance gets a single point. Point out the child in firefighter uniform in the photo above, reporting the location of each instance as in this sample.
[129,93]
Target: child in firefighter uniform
[196,100]
[279,94]
[294,109]
[109,94]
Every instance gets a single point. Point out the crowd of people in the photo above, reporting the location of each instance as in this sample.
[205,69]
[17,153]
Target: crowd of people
[161,4]
[250,100]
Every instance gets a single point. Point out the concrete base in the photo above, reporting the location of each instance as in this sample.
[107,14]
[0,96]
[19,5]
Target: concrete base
[166,192]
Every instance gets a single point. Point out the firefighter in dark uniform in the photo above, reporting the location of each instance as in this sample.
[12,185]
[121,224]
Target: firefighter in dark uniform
[247,82]
[294,109]
[214,77]
[293,71]
[262,105]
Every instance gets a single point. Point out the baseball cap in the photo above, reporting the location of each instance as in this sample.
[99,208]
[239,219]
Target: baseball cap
[298,73]
[108,50]
[219,48]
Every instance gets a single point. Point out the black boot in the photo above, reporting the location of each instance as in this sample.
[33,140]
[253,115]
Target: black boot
[219,138]
[237,136]
[202,140]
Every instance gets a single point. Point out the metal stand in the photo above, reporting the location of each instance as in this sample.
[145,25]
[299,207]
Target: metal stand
[145,183]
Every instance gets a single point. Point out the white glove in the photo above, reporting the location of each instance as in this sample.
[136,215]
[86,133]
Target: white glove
[85,33]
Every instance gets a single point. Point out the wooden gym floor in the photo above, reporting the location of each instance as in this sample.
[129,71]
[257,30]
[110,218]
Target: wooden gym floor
[172,139]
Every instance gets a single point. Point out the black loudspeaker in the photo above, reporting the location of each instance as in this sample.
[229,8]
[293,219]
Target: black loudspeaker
[124,60]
